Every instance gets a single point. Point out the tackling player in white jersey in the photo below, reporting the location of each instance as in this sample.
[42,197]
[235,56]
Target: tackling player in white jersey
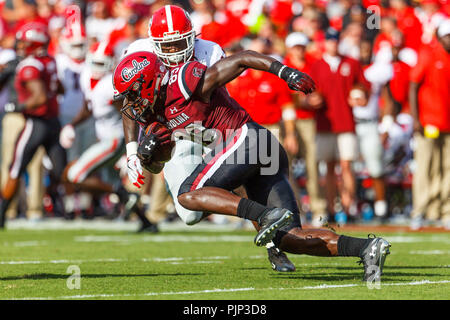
[172,38]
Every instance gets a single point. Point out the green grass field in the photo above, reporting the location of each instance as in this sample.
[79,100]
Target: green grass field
[207,265]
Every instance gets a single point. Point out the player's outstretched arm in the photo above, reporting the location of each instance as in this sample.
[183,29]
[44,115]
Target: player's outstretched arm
[134,167]
[225,70]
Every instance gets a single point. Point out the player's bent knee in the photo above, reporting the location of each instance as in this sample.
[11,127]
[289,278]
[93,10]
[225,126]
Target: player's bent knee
[10,188]
[70,173]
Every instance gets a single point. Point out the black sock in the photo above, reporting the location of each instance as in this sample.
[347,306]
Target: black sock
[141,215]
[250,210]
[3,207]
[350,247]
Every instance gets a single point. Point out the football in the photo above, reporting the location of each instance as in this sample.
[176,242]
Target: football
[163,153]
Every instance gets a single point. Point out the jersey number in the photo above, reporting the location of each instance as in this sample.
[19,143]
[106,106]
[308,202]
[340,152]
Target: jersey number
[174,75]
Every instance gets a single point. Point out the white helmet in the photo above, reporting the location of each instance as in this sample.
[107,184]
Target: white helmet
[100,59]
[73,41]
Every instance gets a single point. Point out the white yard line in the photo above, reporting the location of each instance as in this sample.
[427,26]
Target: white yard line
[319,287]
[31,243]
[163,238]
[114,225]
[430,252]
[74,261]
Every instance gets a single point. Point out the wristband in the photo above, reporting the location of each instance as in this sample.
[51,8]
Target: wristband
[277,68]
[289,114]
[386,123]
[132,148]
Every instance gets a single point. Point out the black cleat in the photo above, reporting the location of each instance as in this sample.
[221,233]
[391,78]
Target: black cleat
[279,261]
[152,228]
[270,223]
[130,204]
[3,207]
[2,218]
[373,256]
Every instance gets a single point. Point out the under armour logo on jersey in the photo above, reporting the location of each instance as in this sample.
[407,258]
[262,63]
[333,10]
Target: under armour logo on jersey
[173,110]
[149,146]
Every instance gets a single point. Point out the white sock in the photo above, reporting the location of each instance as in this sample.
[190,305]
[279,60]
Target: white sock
[380,208]
[270,245]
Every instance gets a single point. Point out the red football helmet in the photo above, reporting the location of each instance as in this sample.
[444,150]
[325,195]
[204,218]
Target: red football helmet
[32,38]
[73,38]
[171,26]
[100,59]
[138,78]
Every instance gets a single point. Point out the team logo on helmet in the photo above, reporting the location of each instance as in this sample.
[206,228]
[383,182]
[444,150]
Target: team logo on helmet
[128,74]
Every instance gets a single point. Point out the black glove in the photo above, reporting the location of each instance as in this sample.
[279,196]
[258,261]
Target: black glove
[8,72]
[146,148]
[295,79]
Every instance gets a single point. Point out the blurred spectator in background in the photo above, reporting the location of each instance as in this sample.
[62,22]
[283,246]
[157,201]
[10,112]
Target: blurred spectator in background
[98,22]
[224,28]
[298,58]
[201,14]
[310,24]
[407,22]
[350,41]
[267,30]
[125,33]
[396,123]
[430,17]
[430,107]
[335,76]
[17,13]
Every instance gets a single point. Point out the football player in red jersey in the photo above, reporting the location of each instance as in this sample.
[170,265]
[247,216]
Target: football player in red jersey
[36,84]
[191,96]
[172,39]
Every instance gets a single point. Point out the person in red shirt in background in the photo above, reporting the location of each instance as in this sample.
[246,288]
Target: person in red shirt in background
[398,86]
[335,76]
[430,16]
[297,57]
[396,121]
[429,99]
[224,28]
[18,13]
[310,24]
[388,25]
[407,22]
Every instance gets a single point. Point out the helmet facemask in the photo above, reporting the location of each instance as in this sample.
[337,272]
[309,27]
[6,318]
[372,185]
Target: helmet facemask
[136,107]
[183,41]
[75,49]
[100,65]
